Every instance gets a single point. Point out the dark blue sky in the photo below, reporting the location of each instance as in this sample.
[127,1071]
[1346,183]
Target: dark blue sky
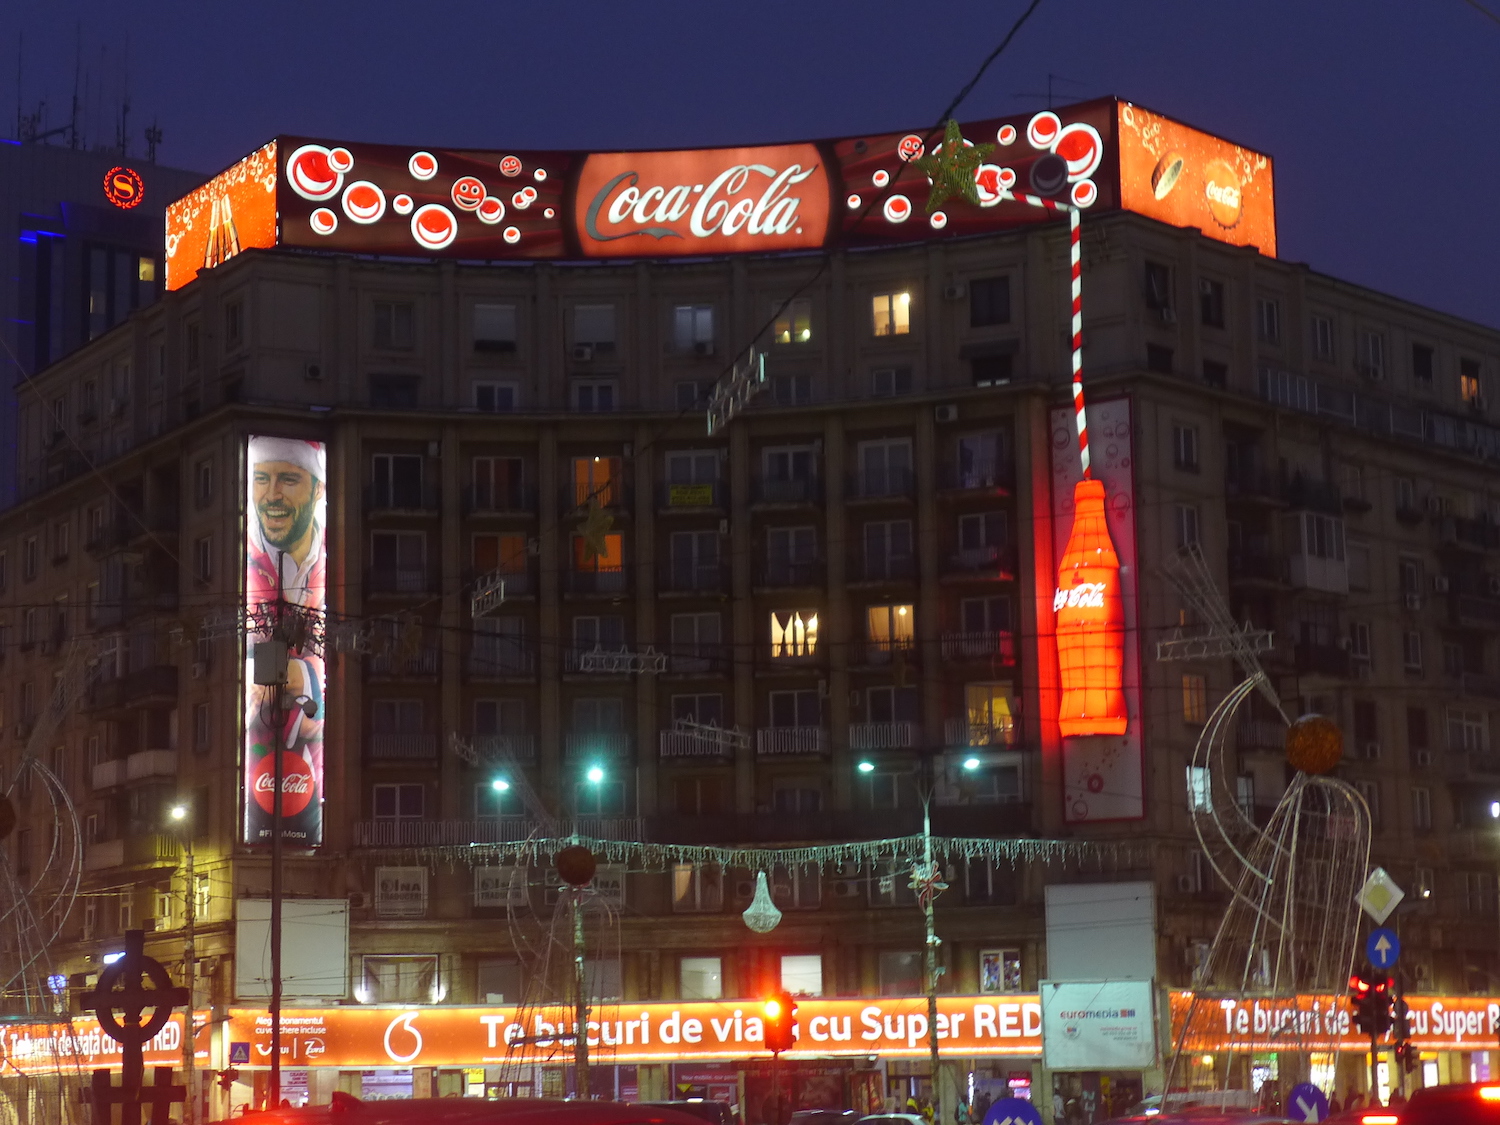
[1381,114]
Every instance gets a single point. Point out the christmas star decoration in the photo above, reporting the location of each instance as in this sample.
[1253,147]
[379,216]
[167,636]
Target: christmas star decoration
[952,169]
[596,526]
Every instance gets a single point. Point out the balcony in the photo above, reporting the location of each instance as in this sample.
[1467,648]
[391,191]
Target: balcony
[694,744]
[518,576]
[145,849]
[153,686]
[398,580]
[390,665]
[402,747]
[886,568]
[789,574]
[1321,660]
[1472,765]
[881,653]
[775,742]
[1253,568]
[579,496]
[1476,535]
[700,660]
[1260,734]
[146,764]
[787,493]
[511,499]
[489,830]
[1469,611]
[1475,683]
[688,578]
[992,563]
[962,732]
[993,645]
[402,497]
[107,775]
[1312,572]
[489,662]
[672,498]
[1309,495]
[600,580]
[598,744]
[504,747]
[991,478]
[884,736]
[881,484]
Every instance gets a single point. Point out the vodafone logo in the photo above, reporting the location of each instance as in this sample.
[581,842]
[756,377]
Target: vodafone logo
[404,1030]
[296,783]
[123,187]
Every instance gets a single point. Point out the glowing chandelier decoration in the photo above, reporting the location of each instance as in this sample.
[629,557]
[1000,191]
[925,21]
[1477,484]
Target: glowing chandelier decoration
[761,915]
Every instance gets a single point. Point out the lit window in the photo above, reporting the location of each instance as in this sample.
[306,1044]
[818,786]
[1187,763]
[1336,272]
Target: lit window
[1194,699]
[802,974]
[697,888]
[793,635]
[889,627]
[793,324]
[1469,387]
[892,313]
[596,478]
[1198,788]
[611,558]
[990,711]
[700,978]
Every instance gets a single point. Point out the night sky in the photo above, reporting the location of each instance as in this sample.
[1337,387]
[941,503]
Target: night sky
[1380,114]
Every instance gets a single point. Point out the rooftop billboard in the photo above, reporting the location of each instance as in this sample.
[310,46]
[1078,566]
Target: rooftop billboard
[493,204]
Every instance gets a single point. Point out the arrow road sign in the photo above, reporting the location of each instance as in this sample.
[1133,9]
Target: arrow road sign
[1307,1103]
[1382,948]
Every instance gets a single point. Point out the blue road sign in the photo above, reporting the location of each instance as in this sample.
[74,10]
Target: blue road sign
[239,1053]
[1013,1111]
[1306,1103]
[1382,947]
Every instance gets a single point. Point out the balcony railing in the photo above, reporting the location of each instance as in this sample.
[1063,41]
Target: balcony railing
[1472,612]
[884,652]
[142,849]
[156,684]
[808,490]
[106,775]
[423,662]
[684,577]
[504,747]
[1472,765]
[1251,484]
[701,660]
[602,580]
[883,736]
[402,747]
[1260,734]
[1481,535]
[398,580]
[887,568]
[386,496]
[1476,683]
[1321,660]
[489,830]
[776,741]
[692,744]
[982,562]
[512,498]
[982,476]
[962,732]
[598,744]
[789,573]
[144,764]
[880,484]
[1311,495]
[1254,567]
[487,660]
[608,494]
[692,497]
[987,644]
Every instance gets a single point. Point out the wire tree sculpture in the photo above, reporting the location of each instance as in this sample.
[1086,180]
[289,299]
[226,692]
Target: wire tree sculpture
[1289,934]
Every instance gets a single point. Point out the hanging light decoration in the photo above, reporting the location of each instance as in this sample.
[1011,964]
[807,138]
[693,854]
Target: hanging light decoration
[761,915]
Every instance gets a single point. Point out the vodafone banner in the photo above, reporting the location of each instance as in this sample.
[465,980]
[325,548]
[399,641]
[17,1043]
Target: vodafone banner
[1438,1023]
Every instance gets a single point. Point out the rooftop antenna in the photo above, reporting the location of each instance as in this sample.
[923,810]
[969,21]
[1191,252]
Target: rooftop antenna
[124,135]
[1049,95]
[20,57]
[153,138]
[77,69]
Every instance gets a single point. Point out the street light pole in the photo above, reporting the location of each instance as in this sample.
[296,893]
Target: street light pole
[929,954]
[182,814]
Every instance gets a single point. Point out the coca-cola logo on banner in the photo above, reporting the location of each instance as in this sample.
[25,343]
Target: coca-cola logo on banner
[703,201]
[296,783]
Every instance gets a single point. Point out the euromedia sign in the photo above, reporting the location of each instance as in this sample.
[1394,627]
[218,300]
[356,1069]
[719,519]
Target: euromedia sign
[491,204]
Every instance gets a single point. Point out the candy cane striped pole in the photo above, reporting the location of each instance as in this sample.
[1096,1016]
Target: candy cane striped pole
[1075,252]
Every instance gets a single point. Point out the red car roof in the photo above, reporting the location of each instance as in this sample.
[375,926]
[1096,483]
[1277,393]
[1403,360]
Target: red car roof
[472,1111]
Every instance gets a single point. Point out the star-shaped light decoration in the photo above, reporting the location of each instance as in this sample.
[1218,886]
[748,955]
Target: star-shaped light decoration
[952,169]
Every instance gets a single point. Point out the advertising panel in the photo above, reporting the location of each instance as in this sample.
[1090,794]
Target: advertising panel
[1436,1023]
[1103,774]
[234,211]
[1098,1025]
[1188,178]
[648,1031]
[49,1048]
[286,563]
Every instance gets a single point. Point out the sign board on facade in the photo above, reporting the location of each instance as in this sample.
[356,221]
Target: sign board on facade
[492,204]
[1098,1025]
[314,948]
[1437,1023]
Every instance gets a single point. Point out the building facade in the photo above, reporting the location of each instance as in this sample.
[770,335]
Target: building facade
[848,590]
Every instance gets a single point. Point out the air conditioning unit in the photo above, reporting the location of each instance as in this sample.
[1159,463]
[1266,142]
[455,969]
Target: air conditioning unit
[1187,885]
[533,546]
[1412,601]
[1168,314]
[704,348]
[847,888]
[1439,583]
[1422,759]
[582,353]
[359,900]
[1372,751]
[744,890]
[955,292]
[312,371]
[200,671]
[947,413]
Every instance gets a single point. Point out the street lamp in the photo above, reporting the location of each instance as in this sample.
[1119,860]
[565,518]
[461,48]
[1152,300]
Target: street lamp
[500,785]
[866,767]
[595,774]
[181,818]
[971,764]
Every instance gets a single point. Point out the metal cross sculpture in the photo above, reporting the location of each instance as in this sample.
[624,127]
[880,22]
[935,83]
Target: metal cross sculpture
[134,985]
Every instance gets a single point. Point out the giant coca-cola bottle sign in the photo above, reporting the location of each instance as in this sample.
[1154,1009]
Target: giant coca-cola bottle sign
[705,201]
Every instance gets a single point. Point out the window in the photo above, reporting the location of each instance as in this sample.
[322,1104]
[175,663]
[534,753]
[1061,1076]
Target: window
[791,555]
[981,457]
[498,979]
[598,715]
[495,398]
[396,716]
[1268,320]
[398,561]
[1453,659]
[1000,970]
[699,796]
[607,558]
[1409,576]
[596,478]
[498,484]
[490,802]
[1322,537]
[802,974]
[394,392]
[689,393]
[901,974]
[888,550]
[1158,286]
[203,558]
[989,301]
[1371,358]
[1416,728]
[594,396]
[1470,390]
[697,888]
[1359,565]
[794,634]
[885,467]
[696,642]
[1185,448]
[396,802]
[704,708]
[888,382]
[494,328]
[1215,374]
[393,324]
[192,346]
[989,710]
[599,798]
[882,790]
[695,560]
[499,717]
[1158,359]
[978,616]
[400,980]
[791,390]
[1198,789]
[888,628]
[30,552]
[1468,731]
[234,325]
[1187,526]
[700,978]
[983,533]
[1211,303]
[693,329]
[202,897]
[203,729]
[62,540]
[991,370]
[203,485]
[126,912]
[697,466]
[504,552]
[1359,643]
[594,327]
[891,705]
[795,708]
[793,323]
[1421,809]
[1322,337]
[796,797]
[1421,363]
[1194,699]
[892,313]
[1370,791]
[606,633]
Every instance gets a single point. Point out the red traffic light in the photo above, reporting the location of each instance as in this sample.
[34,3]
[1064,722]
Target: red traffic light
[779,1018]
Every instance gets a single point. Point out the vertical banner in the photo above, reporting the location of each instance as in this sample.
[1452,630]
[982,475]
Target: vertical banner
[286,566]
[1103,774]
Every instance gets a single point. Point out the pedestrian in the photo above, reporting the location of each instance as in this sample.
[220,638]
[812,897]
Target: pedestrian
[961,1113]
[1354,1100]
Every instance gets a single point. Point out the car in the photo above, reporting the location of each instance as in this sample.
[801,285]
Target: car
[823,1117]
[345,1109]
[1461,1103]
[892,1119]
[715,1113]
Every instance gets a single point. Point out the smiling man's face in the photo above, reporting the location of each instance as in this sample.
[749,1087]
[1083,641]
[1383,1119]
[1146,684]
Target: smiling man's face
[286,496]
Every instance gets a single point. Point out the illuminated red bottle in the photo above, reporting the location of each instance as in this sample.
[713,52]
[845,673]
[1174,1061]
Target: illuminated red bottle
[1090,622]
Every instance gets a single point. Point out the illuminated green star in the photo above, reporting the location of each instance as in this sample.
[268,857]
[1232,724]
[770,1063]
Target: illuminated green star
[952,170]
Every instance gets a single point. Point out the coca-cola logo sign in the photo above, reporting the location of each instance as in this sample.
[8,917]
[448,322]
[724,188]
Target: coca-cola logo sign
[704,201]
[296,783]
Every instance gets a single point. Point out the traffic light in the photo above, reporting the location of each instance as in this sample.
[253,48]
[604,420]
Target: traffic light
[1406,1055]
[1370,996]
[779,1015]
[228,1077]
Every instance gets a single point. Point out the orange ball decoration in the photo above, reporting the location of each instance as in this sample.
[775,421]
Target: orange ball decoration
[575,865]
[1314,744]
